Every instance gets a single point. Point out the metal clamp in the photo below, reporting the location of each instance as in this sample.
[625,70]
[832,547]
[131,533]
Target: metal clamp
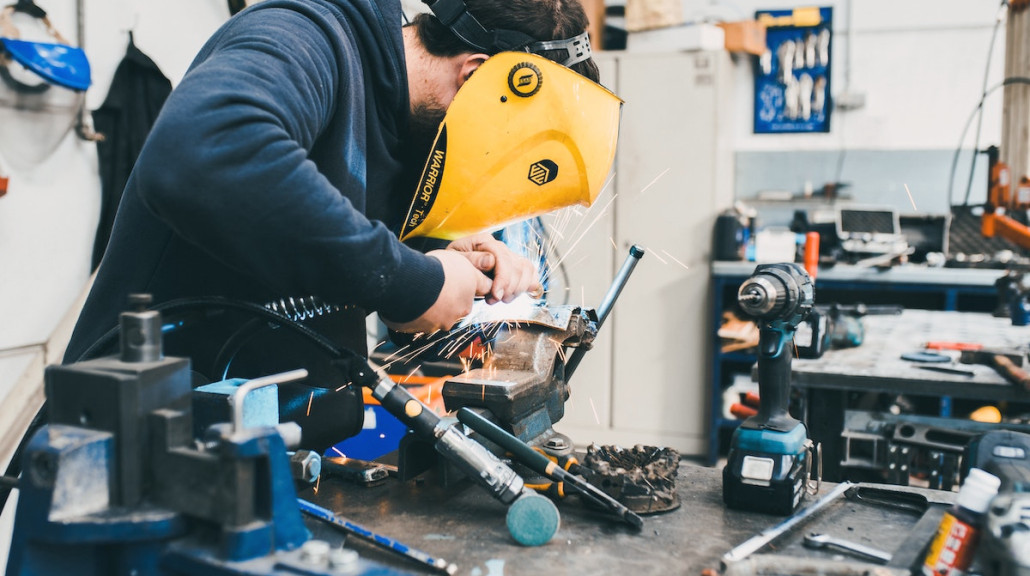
[237,397]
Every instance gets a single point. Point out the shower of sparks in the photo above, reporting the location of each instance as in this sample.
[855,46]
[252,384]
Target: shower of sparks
[594,409]
[673,258]
[310,398]
[337,450]
[597,218]
[660,259]
[558,346]
[910,199]
[655,180]
[344,386]
[412,373]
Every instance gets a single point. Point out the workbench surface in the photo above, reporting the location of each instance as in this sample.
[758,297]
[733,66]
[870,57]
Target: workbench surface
[466,526]
[876,365]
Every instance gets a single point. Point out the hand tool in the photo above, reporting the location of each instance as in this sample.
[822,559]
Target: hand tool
[360,471]
[768,461]
[950,345]
[1008,363]
[539,463]
[946,370]
[325,515]
[755,543]
[825,540]
[532,519]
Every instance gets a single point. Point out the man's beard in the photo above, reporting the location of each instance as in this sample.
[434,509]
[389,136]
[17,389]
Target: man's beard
[422,128]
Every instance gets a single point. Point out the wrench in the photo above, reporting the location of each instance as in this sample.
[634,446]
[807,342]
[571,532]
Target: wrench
[825,540]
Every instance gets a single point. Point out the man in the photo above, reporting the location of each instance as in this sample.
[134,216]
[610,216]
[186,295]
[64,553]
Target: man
[283,164]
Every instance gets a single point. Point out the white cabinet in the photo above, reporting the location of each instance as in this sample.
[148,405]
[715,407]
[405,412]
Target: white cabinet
[646,381]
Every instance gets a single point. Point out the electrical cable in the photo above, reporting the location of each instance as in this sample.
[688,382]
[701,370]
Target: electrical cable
[335,352]
[983,94]
[969,122]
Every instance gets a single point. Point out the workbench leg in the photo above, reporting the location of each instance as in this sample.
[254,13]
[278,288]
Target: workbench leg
[824,417]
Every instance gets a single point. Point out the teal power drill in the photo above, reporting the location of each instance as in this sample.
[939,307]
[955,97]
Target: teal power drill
[769,457]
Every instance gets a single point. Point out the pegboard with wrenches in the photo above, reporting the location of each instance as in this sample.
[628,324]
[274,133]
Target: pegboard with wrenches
[792,79]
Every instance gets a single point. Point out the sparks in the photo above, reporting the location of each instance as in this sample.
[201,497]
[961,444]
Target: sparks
[310,398]
[594,409]
[337,450]
[318,481]
[655,180]
[612,240]
[412,373]
[660,259]
[340,388]
[685,267]
[910,199]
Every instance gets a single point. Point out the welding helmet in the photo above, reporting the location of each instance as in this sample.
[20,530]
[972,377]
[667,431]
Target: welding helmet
[42,84]
[524,135]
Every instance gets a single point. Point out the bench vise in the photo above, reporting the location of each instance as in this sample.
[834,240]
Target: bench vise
[118,484]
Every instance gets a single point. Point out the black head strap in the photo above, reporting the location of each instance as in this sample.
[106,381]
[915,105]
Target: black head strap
[455,15]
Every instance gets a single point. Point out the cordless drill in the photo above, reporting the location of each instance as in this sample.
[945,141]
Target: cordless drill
[768,460]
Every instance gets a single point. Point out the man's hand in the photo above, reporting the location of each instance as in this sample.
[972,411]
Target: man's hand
[512,274]
[462,282]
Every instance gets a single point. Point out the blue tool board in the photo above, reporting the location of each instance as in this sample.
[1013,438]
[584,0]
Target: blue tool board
[792,82]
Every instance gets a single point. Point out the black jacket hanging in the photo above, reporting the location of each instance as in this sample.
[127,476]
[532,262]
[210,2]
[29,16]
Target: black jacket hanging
[137,93]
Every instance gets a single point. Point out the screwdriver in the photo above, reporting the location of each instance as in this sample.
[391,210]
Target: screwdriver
[540,464]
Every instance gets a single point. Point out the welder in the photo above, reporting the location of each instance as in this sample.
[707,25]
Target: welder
[284,165]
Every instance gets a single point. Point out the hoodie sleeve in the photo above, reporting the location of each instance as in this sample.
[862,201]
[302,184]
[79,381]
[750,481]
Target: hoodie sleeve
[227,166]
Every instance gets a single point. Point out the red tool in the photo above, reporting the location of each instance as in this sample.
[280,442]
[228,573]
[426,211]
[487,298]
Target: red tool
[946,345]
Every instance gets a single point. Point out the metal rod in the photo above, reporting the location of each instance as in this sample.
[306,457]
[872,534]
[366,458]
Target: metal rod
[768,535]
[367,535]
[635,254]
[539,463]
[244,389]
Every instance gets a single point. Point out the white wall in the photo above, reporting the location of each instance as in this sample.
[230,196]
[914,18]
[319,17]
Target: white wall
[920,64]
[48,217]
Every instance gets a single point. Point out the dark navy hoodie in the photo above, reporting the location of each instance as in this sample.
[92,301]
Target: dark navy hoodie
[275,169]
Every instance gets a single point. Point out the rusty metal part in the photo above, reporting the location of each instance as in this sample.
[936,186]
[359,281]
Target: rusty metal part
[642,478]
[522,379]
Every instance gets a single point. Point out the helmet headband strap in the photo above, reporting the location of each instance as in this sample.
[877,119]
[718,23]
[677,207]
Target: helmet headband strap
[455,16]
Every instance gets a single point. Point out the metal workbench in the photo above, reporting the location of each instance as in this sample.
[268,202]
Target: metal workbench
[876,366]
[466,526]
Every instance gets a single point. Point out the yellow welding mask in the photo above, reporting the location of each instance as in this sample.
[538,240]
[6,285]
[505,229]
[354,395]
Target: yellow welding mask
[523,136]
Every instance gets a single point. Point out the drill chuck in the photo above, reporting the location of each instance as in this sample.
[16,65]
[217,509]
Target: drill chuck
[758,296]
[777,292]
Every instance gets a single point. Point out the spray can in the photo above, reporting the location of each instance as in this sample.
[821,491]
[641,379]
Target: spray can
[953,547]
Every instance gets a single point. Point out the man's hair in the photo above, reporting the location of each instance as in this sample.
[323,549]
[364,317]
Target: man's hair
[541,19]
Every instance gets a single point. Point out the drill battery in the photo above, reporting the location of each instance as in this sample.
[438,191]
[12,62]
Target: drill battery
[766,470]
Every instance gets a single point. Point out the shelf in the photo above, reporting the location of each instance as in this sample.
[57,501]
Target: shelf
[727,422]
[741,357]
